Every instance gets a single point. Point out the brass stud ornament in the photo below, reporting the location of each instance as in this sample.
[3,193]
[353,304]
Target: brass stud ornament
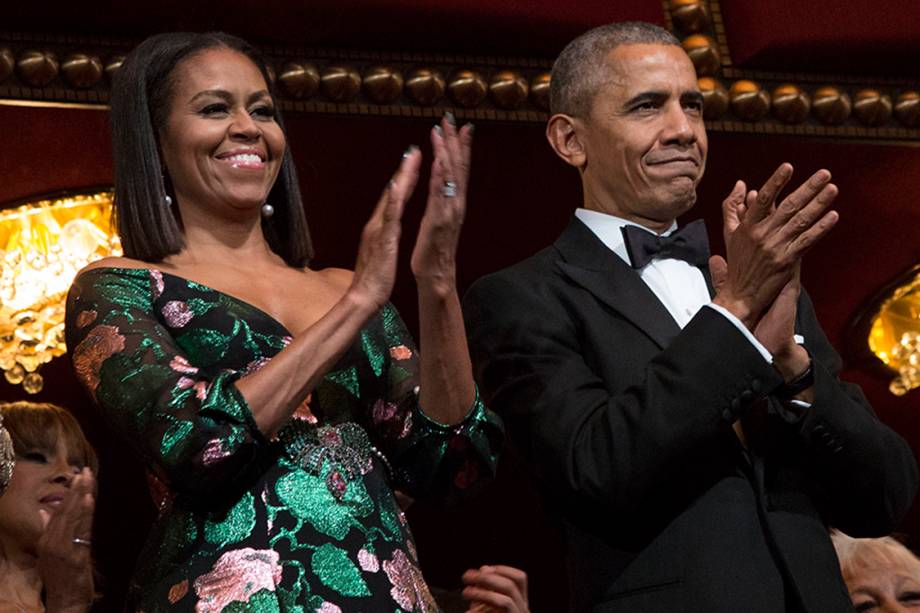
[7,63]
[508,89]
[81,70]
[500,89]
[383,84]
[704,53]
[112,65]
[907,109]
[749,102]
[872,107]
[831,105]
[539,91]
[340,83]
[425,86]
[299,80]
[467,88]
[37,68]
[715,97]
[790,103]
[689,15]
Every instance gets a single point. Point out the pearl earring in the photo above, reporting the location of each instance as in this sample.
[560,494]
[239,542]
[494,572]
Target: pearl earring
[267,210]
[167,200]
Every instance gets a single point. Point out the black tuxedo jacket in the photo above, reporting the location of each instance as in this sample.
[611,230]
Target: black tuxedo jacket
[626,420]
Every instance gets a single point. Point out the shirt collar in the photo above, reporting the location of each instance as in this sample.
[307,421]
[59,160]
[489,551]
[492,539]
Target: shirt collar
[607,229]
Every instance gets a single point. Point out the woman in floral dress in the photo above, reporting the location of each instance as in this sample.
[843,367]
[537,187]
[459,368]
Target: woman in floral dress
[275,407]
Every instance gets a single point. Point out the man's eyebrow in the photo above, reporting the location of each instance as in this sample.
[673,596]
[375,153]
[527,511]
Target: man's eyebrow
[651,96]
[692,96]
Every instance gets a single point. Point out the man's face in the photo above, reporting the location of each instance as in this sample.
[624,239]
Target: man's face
[644,139]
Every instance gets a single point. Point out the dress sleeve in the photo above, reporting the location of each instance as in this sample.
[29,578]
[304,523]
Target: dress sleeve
[195,432]
[429,460]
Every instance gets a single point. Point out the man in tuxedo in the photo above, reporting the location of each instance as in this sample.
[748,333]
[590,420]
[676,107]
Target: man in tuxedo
[688,430]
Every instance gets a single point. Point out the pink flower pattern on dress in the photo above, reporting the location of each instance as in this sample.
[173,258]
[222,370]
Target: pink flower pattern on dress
[180,364]
[303,412]
[85,318]
[178,591]
[256,365]
[101,343]
[328,607]
[368,561]
[384,411]
[236,576]
[409,589]
[177,313]
[201,390]
[400,352]
[213,452]
[156,281]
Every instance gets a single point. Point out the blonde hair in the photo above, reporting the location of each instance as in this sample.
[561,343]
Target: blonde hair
[856,555]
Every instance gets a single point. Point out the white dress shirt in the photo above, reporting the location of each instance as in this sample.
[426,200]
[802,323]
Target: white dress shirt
[679,286]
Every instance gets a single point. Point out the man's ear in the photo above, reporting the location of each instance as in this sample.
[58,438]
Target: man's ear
[565,139]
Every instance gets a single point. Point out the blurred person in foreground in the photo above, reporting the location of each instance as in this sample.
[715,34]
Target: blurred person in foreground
[275,407]
[692,438]
[47,497]
[881,574]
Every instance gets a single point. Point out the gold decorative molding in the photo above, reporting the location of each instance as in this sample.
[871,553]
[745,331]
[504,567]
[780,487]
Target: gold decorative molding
[55,70]
[774,102]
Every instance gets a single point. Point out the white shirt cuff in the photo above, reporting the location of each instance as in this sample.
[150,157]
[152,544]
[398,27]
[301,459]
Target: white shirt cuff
[747,333]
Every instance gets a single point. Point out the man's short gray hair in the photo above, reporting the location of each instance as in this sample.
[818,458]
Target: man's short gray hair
[579,70]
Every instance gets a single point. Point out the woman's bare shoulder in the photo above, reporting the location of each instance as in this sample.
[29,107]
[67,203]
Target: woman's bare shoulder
[338,277]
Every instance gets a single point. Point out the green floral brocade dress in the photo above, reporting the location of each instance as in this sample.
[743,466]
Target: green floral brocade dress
[307,522]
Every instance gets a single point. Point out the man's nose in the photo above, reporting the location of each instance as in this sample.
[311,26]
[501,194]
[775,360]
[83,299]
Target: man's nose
[678,128]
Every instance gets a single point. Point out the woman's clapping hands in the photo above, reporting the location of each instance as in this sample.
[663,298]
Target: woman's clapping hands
[434,255]
[64,560]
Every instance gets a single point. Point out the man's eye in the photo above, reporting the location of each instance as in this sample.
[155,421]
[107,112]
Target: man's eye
[694,106]
[865,606]
[646,106]
[35,456]
[264,112]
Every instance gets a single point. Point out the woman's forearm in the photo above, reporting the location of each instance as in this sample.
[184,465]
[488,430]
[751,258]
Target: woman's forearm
[446,389]
[275,391]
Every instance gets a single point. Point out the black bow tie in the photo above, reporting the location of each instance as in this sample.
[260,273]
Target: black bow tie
[689,243]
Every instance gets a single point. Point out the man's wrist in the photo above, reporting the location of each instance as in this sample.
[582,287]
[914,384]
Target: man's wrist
[738,308]
[791,361]
[798,384]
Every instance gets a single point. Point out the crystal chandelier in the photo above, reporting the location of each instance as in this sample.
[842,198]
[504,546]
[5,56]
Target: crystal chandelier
[894,333]
[43,245]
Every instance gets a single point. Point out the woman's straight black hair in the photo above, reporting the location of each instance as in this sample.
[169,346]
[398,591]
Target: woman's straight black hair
[140,102]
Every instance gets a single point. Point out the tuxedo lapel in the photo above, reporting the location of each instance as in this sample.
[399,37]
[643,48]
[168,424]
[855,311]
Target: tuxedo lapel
[590,264]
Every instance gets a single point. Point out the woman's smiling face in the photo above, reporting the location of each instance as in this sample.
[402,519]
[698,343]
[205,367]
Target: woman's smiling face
[221,144]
